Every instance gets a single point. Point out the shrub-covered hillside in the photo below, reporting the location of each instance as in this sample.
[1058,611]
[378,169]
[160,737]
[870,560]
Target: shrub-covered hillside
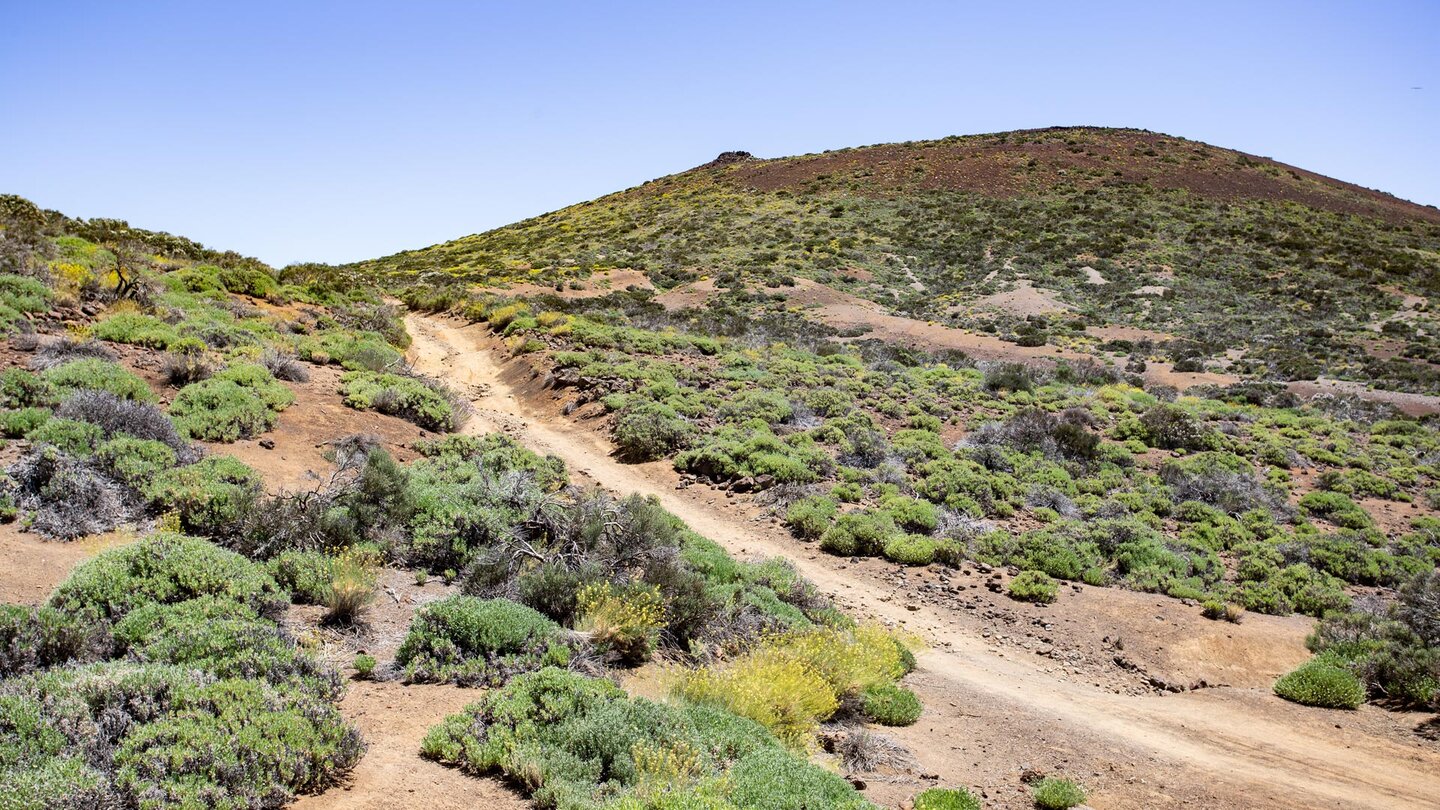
[1221,250]
[172,670]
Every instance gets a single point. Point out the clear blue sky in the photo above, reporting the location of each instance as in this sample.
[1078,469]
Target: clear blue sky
[346,130]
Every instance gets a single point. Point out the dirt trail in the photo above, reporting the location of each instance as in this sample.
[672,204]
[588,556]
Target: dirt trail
[1219,747]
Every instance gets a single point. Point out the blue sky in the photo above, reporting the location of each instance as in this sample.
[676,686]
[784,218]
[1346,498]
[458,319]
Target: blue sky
[346,130]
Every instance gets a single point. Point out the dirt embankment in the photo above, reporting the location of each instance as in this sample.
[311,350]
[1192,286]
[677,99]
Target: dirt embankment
[992,709]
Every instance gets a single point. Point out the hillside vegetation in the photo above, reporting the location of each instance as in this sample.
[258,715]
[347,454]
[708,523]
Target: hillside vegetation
[1292,274]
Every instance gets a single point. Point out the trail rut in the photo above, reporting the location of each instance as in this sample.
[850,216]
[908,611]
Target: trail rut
[1225,748]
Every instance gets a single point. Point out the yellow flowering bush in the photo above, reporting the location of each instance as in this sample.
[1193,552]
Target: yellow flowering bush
[624,620]
[770,686]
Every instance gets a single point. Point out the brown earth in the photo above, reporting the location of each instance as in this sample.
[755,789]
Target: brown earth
[1014,163]
[995,706]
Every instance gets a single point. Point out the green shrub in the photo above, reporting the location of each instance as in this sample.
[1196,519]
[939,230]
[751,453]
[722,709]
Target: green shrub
[577,743]
[220,411]
[165,568]
[891,705]
[472,641]
[25,389]
[305,574]
[365,666]
[427,405]
[257,379]
[651,430]
[224,638]
[810,517]
[40,637]
[1323,682]
[1336,508]
[209,495]
[94,374]
[16,424]
[140,330]
[235,745]
[1057,794]
[1217,609]
[768,779]
[859,534]
[911,549]
[946,799]
[74,438]
[1033,586]
[135,462]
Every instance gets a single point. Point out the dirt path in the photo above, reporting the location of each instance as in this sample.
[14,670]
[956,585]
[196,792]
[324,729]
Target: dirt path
[394,719]
[1216,747]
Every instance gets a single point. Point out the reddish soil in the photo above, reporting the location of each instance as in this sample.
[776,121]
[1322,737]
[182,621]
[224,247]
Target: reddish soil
[1015,163]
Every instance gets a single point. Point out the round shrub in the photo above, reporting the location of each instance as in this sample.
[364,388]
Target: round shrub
[210,494]
[947,799]
[71,437]
[911,549]
[1322,682]
[891,705]
[165,568]
[859,534]
[1034,586]
[216,410]
[651,430]
[134,462]
[94,374]
[1057,794]
[472,641]
[810,517]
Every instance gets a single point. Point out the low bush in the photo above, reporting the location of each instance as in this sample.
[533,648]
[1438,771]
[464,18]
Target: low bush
[209,495]
[1216,609]
[477,641]
[137,329]
[134,462]
[1057,794]
[891,705]
[946,799]
[625,621]
[577,743]
[286,367]
[911,549]
[225,638]
[71,437]
[1171,428]
[859,534]
[809,517]
[23,389]
[220,411]
[651,430]
[34,638]
[116,417]
[427,404]
[64,349]
[1033,586]
[365,666]
[1323,682]
[305,574]
[67,497]
[780,692]
[16,424]
[165,568]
